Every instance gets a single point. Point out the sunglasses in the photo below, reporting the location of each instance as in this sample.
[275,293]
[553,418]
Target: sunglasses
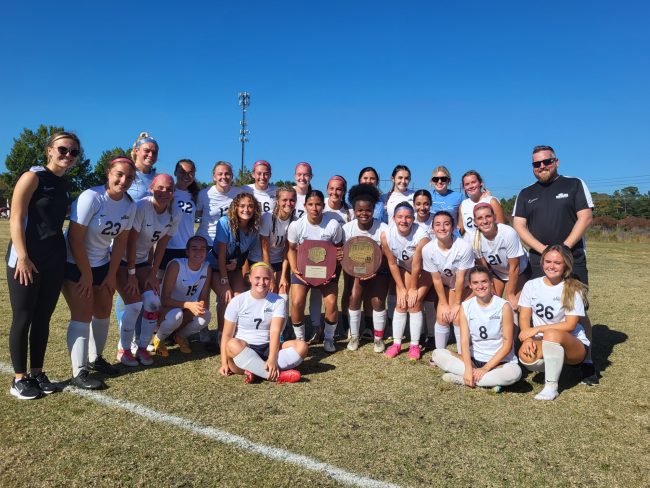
[64,150]
[544,162]
[441,179]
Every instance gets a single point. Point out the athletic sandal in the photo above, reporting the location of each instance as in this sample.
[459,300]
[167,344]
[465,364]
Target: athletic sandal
[44,383]
[160,348]
[24,389]
[353,345]
[288,376]
[414,352]
[379,345]
[125,356]
[102,366]
[183,344]
[393,350]
[143,356]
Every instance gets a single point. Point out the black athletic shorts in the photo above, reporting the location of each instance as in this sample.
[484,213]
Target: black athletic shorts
[73,274]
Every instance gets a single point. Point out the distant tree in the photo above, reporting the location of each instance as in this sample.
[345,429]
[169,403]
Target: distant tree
[29,150]
[280,183]
[244,177]
[508,205]
[99,173]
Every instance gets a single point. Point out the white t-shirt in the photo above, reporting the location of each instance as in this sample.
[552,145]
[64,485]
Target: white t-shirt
[253,316]
[104,218]
[187,208]
[342,215]
[327,230]
[266,198]
[277,239]
[546,304]
[403,247]
[351,229]
[189,283]
[152,226]
[396,197]
[505,245]
[448,262]
[467,214]
[214,205]
[485,328]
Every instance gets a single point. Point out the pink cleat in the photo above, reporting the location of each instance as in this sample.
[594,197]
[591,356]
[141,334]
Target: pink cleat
[288,376]
[414,352]
[248,377]
[393,350]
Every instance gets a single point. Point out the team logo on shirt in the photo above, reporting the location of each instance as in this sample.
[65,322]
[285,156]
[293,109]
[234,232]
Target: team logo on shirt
[533,200]
[268,309]
[495,316]
[124,217]
[562,195]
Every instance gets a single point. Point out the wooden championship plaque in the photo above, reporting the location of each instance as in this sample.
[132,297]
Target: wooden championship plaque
[316,261]
[362,257]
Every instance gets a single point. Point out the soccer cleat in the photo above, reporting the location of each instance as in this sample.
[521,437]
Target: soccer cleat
[24,389]
[288,376]
[589,375]
[429,343]
[143,356]
[414,352]
[183,344]
[353,345]
[85,382]
[43,382]
[497,389]
[453,378]
[317,338]
[328,345]
[102,366]
[125,356]
[248,377]
[159,347]
[393,350]
[379,345]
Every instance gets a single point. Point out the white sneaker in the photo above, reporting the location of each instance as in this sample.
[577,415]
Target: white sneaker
[328,345]
[453,378]
[125,356]
[379,346]
[353,345]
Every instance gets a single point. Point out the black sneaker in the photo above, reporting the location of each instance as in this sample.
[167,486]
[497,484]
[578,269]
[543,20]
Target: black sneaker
[589,375]
[24,389]
[44,383]
[84,381]
[429,343]
[102,366]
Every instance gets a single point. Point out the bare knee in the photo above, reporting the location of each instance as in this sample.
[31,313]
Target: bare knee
[235,346]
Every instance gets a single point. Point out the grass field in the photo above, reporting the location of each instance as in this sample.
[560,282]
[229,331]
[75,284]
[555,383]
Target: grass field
[388,420]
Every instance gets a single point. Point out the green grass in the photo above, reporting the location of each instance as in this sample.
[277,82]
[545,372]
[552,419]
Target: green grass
[384,419]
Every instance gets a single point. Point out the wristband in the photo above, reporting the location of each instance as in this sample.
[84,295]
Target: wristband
[131,271]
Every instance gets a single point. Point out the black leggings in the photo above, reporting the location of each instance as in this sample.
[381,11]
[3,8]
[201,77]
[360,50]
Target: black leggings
[32,308]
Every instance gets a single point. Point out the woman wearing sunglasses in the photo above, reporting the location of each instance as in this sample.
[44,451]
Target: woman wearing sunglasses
[36,261]
[442,197]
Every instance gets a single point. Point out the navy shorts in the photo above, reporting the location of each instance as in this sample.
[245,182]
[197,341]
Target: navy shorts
[73,274]
[480,364]
[262,350]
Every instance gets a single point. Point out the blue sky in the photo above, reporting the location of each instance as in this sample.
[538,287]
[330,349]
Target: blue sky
[472,85]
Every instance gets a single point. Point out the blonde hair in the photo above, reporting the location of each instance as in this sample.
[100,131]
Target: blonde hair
[441,169]
[571,285]
[476,242]
[233,219]
[139,141]
[262,264]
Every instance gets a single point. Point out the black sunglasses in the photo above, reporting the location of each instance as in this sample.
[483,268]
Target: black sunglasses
[441,179]
[544,162]
[64,150]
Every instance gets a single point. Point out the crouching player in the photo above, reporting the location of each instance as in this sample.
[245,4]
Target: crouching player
[486,322]
[250,342]
[185,297]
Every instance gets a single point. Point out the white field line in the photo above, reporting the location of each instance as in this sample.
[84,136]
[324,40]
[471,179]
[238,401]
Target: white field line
[224,437]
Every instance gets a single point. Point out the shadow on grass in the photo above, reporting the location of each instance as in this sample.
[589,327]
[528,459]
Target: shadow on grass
[604,340]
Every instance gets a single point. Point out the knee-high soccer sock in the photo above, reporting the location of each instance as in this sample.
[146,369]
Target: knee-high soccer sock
[355,322]
[127,327]
[430,318]
[299,330]
[446,361]
[415,327]
[195,325]
[172,321]
[77,338]
[315,305]
[507,374]
[288,358]
[286,312]
[399,323]
[379,323]
[457,336]
[442,333]
[98,336]
[391,301]
[553,361]
[330,328]
[248,360]
[151,308]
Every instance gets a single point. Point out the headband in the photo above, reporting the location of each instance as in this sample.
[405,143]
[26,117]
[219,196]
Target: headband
[339,178]
[261,162]
[144,140]
[405,205]
[261,264]
[481,205]
[122,159]
[304,164]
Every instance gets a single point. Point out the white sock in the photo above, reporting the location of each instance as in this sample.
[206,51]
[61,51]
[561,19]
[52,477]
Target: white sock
[77,339]
[329,331]
[127,326]
[507,374]
[172,321]
[415,327]
[457,336]
[379,323]
[446,361]
[151,307]
[286,307]
[442,335]
[98,336]
[196,325]
[535,366]
[249,360]
[355,322]
[315,305]
[399,324]
[288,358]
[391,302]
[299,331]
[430,317]
[553,362]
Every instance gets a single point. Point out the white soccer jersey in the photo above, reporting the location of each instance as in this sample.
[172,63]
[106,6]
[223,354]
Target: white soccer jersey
[266,198]
[545,301]
[485,328]
[351,229]
[253,316]
[447,262]
[327,230]
[403,247]
[187,209]
[428,226]
[300,205]
[214,205]
[392,199]
[152,226]
[506,245]
[342,215]
[104,218]
[467,214]
[189,283]
[277,239]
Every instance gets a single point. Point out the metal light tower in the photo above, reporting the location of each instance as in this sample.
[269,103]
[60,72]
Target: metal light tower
[244,102]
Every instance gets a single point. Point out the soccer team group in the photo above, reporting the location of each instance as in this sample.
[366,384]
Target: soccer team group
[450,264]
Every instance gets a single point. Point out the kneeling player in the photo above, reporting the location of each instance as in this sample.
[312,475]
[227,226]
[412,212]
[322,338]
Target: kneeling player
[250,342]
